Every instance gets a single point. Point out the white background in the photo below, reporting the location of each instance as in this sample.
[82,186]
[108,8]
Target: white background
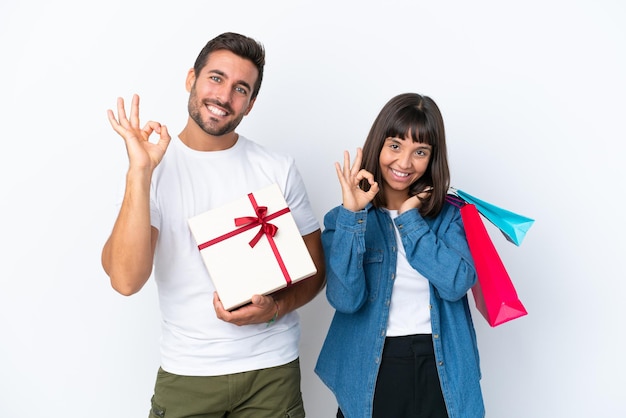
[533,98]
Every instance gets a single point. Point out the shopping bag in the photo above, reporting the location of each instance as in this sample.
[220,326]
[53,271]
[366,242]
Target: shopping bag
[494,294]
[512,225]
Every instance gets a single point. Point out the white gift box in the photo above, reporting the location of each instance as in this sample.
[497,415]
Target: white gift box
[251,246]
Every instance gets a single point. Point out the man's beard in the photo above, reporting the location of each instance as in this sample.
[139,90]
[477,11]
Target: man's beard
[210,126]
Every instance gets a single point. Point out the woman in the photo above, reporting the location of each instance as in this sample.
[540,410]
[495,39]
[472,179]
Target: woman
[401,342]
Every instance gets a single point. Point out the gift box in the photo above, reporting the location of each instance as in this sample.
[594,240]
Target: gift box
[251,246]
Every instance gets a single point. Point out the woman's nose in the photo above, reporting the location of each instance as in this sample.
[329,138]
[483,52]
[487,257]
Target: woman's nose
[404,160]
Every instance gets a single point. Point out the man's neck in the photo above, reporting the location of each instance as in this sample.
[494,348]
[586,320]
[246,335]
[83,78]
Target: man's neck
[195,138]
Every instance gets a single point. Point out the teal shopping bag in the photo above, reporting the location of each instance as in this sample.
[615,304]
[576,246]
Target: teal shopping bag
[512,225]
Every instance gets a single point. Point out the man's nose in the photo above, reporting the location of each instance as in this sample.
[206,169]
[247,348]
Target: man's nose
[224,93]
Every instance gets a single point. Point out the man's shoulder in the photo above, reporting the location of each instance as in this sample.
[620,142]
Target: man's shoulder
[257,150]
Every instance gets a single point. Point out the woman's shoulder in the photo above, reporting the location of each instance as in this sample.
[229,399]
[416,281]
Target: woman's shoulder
[450,211]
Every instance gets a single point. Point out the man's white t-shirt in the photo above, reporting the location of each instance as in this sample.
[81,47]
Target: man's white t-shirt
[186,183]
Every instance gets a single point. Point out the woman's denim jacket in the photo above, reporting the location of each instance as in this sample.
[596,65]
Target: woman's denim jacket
[361,250]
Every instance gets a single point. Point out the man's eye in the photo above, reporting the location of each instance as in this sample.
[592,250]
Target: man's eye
[215,78]
[241,90]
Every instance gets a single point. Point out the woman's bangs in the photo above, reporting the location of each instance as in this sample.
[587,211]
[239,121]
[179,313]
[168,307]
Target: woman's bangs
[411,123]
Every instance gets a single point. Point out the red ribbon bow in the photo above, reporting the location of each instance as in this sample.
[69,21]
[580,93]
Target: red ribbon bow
[260,219]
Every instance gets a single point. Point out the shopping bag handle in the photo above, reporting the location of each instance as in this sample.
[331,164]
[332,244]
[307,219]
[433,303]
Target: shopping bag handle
[455,201]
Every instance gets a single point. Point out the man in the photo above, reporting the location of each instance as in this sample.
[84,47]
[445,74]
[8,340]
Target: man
[215,363]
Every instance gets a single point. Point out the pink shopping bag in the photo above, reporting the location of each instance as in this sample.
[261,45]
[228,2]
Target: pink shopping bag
[494,294]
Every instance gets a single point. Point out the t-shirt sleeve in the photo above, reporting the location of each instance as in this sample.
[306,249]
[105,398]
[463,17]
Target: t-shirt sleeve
[298,202]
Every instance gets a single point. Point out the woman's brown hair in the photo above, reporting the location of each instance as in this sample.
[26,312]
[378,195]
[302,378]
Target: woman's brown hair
[418,117]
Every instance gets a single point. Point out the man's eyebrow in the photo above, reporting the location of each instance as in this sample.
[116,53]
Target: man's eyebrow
[218,72]
[245,84]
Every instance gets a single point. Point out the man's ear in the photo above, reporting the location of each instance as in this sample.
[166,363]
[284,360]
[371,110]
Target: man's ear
[191,78]
[250,106]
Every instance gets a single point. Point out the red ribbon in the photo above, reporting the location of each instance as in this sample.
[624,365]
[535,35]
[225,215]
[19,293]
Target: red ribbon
[266,228]
[248,222]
